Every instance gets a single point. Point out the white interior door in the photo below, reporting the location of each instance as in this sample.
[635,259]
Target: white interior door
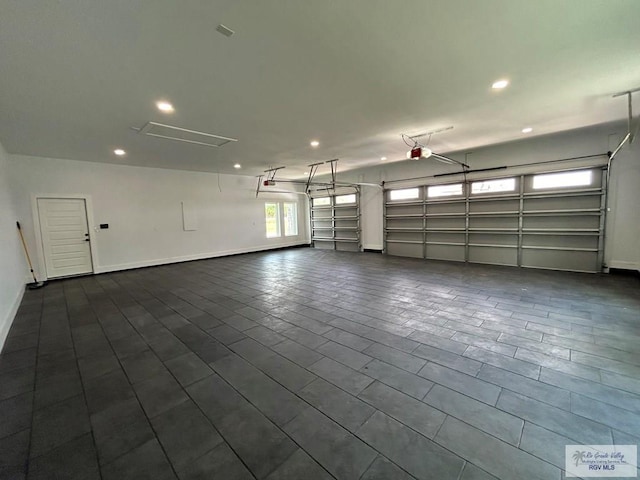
[65,236]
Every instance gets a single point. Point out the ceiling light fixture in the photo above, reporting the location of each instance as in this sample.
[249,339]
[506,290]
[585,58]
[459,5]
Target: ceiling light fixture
[119,152]
[499,84]
[383,158]
[527,130]
[165,107]
[237,166]
[314,143]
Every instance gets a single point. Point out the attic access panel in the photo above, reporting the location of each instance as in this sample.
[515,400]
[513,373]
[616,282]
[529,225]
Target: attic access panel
[179,134]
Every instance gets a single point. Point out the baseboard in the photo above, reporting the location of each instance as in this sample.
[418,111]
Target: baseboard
[8,320]
[372,250]
[625,272]
[621,265]
[190,258]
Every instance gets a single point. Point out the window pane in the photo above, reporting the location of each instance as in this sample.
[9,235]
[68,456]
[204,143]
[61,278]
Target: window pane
[340,199]
[272,218]
[494,186]
[444,190]
[290,219]
[319,202]
[565,179]
[406,194]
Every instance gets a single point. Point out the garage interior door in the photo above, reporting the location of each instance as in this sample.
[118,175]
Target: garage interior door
[551,220]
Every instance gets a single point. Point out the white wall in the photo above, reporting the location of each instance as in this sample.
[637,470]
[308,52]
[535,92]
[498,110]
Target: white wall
[622,250]
[13,267]
[143,207]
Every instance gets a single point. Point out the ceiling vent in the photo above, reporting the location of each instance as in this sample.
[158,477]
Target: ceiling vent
[154,129]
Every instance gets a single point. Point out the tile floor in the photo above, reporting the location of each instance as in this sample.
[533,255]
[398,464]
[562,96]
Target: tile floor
[315,364]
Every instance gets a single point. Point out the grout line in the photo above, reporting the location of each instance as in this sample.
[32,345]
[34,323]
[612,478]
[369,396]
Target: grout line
[35,380]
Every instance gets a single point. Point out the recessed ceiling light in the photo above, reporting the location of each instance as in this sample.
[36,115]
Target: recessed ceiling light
[165,107]
[119,152]
[383,158]
[499,84]
[314,143]
[527,130]
[237,166]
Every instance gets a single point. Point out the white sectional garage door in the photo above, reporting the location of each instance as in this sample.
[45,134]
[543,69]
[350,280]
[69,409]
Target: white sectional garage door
[548,220]
[335,221]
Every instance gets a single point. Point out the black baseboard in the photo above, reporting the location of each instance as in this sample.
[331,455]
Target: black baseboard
[371,250]
[288,247]
[624,272]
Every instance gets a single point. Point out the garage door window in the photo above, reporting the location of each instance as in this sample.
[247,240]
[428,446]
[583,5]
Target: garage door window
[444,190]
[494,186]
[405,194]
[562,180]
[343,199]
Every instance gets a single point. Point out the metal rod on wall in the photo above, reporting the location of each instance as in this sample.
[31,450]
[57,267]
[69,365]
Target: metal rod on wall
[630,111]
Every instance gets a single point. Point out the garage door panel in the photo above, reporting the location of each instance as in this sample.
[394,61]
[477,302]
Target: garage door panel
[346,211]
[405,236]
[343,223]
[493,222]
[322,224]
[404,209]
[346,234]
[443,223]
[560,260]
[562,223]
[404,223]
[445,208]
[565,241]
[321,215]
[493,255]
[510,239]
[562,203]
[495,206]
[323,244]
[445,237]
[405,250]
[446,252]
[347,247]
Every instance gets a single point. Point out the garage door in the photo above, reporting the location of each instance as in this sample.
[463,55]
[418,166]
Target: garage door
[552,220]
[335,221]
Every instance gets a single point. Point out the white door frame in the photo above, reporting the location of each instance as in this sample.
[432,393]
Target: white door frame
[38,232]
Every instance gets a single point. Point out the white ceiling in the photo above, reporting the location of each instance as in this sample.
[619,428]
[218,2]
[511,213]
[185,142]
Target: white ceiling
[76,75]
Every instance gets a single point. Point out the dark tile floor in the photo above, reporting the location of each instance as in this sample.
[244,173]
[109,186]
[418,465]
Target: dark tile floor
[314,364]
